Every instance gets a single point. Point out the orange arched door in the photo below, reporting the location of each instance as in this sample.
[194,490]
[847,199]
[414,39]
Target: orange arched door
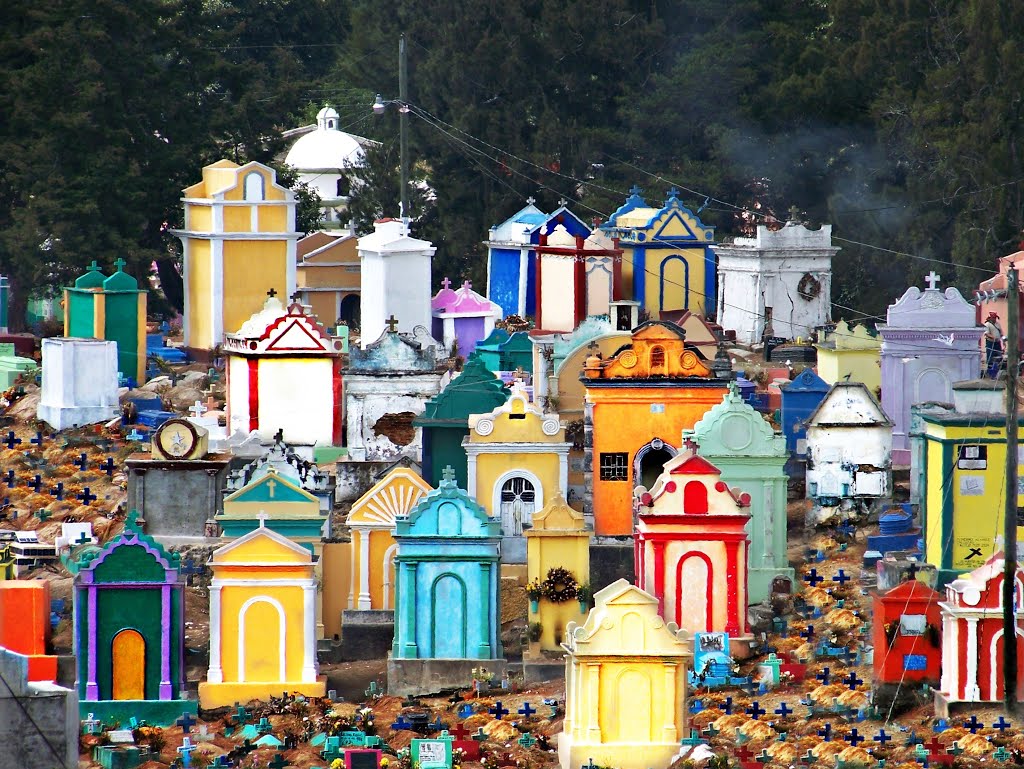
[128,666]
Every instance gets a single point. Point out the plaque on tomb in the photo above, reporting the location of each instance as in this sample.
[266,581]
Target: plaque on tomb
[972,457]
[432,754]
[362,759]
[180,439]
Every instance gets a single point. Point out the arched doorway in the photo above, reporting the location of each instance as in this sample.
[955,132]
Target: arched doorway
[650,461]
[128,666]
[448,620]
[348,311]
[262,621]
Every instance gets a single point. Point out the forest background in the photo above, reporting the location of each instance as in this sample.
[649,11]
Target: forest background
[897,121]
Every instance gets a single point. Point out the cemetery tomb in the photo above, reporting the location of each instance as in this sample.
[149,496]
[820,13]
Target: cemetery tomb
[238,242]
[577,276]
[751,456]
[626,698]
[79,382]
[512,255]
[907,637]
[557,540]
[446,610]
[25,625]
[462,317]
[930,340]
[273,350]
[691,548]
[327,276]
[12,365]
[112,308]
[262,621]
[850,353]
[972,637]
[129,630]
[517,458]
[394,280]
[800,398]
[776,283]
[40,721]
[667,257]
[638,402]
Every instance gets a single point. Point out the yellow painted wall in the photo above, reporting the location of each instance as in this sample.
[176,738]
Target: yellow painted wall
[200,321]
[272,218]
[543,553]
[237,218]
[380,542]
[325,307]
[262,646]
[336,570]
[862,366]
[251,268]
[675,279]
[977,519]
[198,218]
[313,275]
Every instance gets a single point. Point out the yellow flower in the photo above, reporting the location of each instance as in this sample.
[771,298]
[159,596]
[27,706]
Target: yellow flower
[384,762]
[337,764]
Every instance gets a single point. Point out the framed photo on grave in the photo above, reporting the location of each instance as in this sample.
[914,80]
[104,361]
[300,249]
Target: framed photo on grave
[430,754]
[362,759]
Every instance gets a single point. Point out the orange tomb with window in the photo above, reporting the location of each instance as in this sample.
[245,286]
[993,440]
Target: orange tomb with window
[638,402]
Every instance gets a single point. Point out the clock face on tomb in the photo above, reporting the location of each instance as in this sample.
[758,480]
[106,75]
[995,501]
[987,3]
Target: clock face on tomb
[176,439]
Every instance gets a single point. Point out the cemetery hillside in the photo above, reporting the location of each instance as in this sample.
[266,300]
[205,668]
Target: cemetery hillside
[606,385]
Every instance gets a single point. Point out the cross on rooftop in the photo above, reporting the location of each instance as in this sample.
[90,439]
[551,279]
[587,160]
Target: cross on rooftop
[673,192]
[448,474]
[531,200]
[197,409]
[120,264]
[272,292]
[446,283]
[635,189]
[93,267]
[466,284]
[932,279]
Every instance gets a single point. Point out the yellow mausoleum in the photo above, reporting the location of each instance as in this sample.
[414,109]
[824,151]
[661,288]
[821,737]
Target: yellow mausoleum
[238,243]
[262,621]
[625,684]
[559,538]
[371,521]
[851,352]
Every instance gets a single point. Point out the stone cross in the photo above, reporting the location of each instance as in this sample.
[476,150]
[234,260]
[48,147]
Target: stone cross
[120,263]
[446,283]
[392,324]
[197,409]
[93,267]
[448,473]
[932,280]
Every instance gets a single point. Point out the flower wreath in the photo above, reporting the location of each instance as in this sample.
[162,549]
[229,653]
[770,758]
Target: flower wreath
[559,585]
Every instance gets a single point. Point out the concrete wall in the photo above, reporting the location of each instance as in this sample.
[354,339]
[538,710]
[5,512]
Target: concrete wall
[34,714]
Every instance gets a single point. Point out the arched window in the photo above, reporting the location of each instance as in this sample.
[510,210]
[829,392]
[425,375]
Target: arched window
[254,186]
[518,502]
[695,498]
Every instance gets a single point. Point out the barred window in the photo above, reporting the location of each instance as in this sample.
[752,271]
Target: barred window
[614,466]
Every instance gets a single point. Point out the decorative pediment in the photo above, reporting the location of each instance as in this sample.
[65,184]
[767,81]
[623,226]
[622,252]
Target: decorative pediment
[931,308]
[262,546]
[656,349]
[277,330]
[690,485]
[735,428]
[625,622]
[447,512]
[394,496]
[516,421]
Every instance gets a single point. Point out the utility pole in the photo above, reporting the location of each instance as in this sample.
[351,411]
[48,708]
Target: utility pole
[403,123]
[1010,524]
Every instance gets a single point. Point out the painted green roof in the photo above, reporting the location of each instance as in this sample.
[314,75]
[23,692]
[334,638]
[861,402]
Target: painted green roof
[475,391]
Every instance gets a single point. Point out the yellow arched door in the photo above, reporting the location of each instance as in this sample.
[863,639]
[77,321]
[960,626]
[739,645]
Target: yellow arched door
[261,643]
[128,666]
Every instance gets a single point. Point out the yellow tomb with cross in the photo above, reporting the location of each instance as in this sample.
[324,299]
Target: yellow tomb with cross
[262,621]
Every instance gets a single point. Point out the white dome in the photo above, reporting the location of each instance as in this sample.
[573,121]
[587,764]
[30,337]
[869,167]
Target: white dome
[326,147]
